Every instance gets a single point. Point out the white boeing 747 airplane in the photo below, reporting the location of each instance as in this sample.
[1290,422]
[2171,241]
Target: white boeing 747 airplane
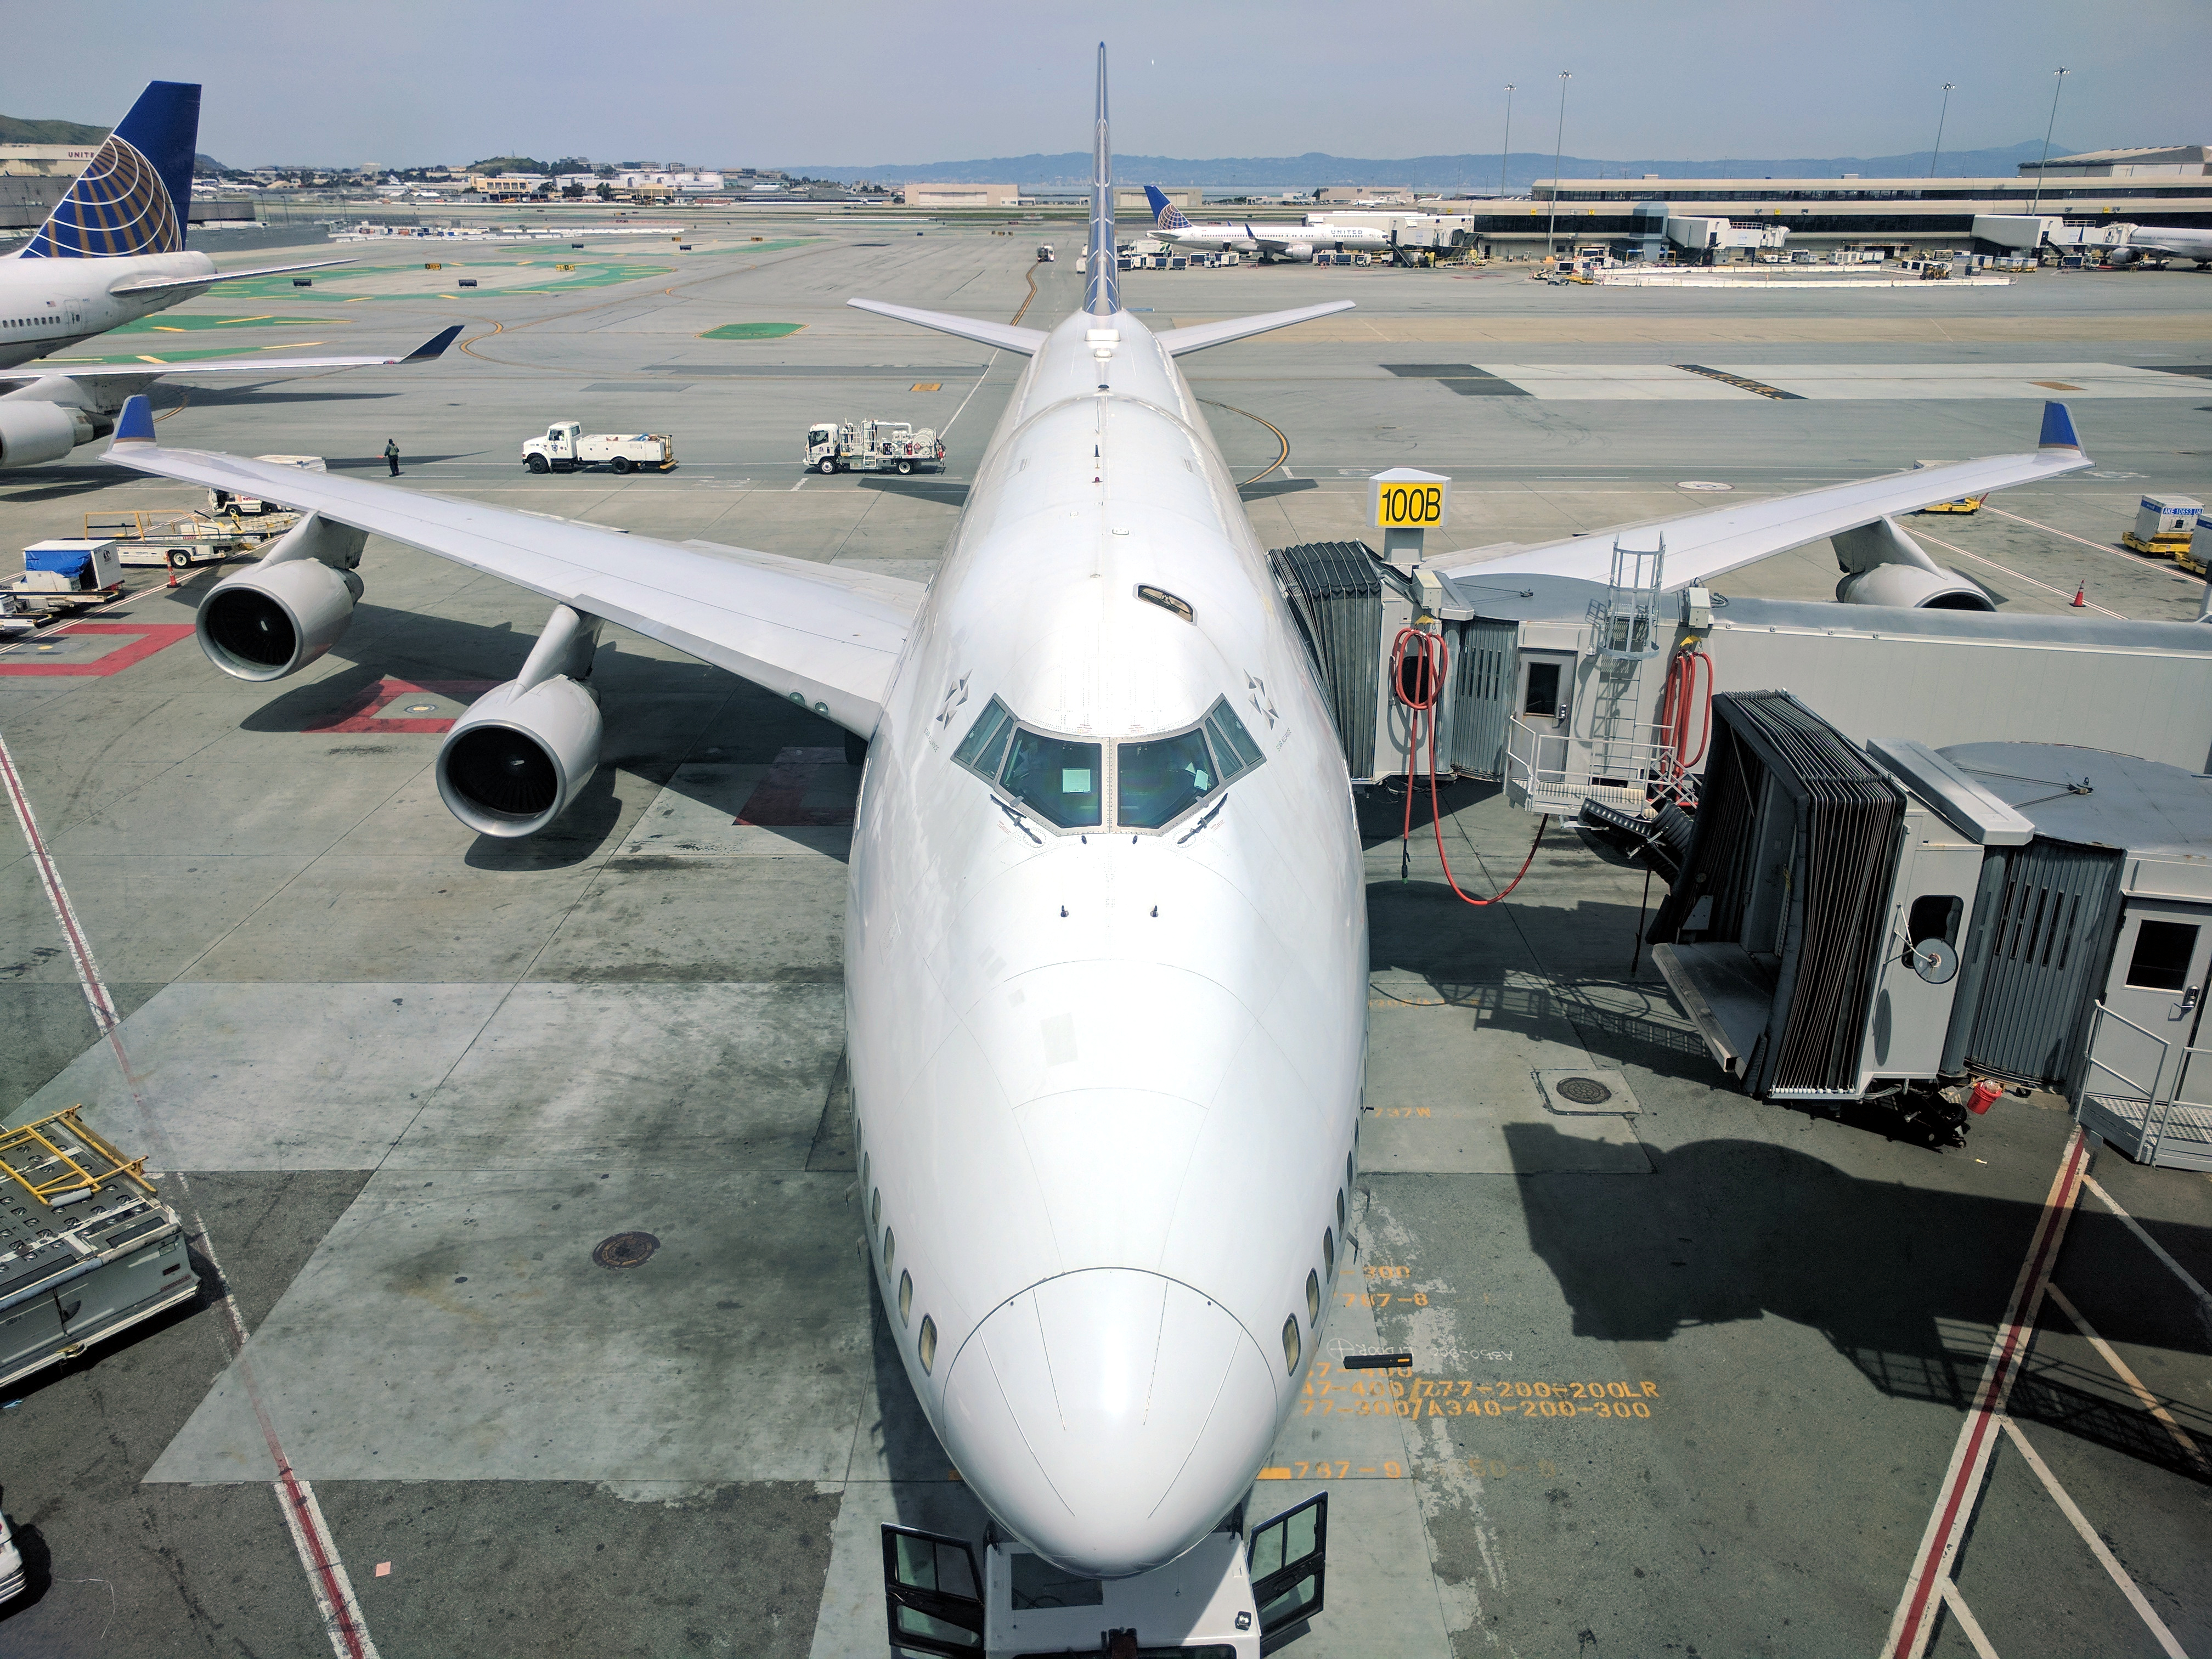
[1107,930]
[113,251]
[2161,243]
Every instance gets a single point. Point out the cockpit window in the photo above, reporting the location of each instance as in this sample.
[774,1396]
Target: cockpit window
[1158,780]
[1154,780]
[1061,778]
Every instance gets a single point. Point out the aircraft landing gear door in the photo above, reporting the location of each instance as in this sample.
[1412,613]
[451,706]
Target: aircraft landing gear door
[931,1595]
[2146,1070]
[1289,1564]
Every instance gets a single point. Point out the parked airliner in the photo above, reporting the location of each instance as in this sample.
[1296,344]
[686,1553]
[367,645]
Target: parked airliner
[2161,243]
[1297,243]
[113,251]
[1106,932]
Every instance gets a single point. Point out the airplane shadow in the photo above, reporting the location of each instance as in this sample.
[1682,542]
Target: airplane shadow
[375,463]
[253,396]
[1273,487]
[1902,1281]
[950,491]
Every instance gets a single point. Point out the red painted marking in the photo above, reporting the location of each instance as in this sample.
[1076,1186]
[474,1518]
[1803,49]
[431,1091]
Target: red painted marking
[1995,1389]
[362,714]
[153,636]
[779,800]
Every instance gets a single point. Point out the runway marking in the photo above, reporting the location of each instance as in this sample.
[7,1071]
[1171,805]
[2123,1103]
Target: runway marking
[2128,559]
[1952,547]
[1743,384]
[296,1499]
[2202,1296]
[2150,1400]
[150,637]
[365,712]
[1914,1623]
[1271,427]
[2105,1557]
[1967,1623]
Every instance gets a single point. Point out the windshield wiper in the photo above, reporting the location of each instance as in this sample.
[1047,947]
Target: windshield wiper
[1020,822]
[1212,813]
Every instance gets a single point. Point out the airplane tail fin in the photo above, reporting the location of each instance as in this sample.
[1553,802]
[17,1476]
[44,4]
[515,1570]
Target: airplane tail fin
[136,195]
[1102,287]
[1165,214]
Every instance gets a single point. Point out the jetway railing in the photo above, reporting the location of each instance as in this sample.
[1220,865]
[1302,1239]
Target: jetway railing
[1554,772]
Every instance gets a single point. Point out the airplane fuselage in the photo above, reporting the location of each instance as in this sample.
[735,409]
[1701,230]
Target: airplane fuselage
[1244,240]
[48,305]
[2168,242]
[1107,1074]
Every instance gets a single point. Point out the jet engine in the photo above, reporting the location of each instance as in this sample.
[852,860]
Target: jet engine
[2123,256]
[518,758]
[1909,588]
[32,433]
[289,608]
[1882,565]
[525,750]
[1298,253]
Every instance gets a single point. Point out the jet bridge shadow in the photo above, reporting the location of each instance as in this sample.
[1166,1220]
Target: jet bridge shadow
[1904,1282]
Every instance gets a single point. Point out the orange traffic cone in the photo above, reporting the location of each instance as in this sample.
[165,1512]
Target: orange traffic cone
[2080,597]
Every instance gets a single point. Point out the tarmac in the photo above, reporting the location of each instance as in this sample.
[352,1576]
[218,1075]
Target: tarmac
[403,1081]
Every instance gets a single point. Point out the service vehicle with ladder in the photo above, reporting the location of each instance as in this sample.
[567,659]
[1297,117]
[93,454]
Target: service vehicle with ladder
[567,447]
[871,447]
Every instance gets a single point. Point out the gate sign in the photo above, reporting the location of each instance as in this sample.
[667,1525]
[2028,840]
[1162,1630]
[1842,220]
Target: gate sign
[1406,500]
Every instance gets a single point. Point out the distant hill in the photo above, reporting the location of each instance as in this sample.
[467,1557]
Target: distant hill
[16,129]
[1316,168]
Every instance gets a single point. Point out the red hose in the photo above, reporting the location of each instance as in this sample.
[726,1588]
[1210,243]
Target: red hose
[1682,705]
[1421,698]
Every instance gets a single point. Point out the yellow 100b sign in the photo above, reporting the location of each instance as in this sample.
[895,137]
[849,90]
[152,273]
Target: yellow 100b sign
[1411,501]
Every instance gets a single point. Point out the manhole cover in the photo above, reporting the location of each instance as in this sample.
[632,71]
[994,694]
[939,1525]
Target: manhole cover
[1582,1090]
[421,708]
[625,1249]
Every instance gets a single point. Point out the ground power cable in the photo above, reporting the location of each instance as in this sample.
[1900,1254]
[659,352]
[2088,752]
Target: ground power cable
[1418,662]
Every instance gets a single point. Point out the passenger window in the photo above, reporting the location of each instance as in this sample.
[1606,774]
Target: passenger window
[876,1210]
[906,1296]
[1292,1347]
[2161,962]
[925,1344]
[1057,776]
[984,748]
[1156,782]
[1313,1298]
[890,1248]
[1328,1252]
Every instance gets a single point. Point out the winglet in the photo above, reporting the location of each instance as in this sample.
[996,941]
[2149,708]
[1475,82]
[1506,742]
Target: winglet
[434,348]
[135,425]
[2057,429]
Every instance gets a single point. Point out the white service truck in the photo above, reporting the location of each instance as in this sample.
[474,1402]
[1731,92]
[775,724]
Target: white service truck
[567,447]
[871,447]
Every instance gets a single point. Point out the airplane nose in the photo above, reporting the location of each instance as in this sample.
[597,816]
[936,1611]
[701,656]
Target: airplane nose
[1111,1417]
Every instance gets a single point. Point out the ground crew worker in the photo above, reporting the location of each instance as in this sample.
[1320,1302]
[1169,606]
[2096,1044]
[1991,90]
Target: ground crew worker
[391,455]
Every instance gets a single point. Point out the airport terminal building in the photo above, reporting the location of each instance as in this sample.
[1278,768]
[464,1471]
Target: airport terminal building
[2167,187]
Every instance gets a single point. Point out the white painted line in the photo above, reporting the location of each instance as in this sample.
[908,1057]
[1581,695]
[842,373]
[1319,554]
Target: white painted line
[1917,533]
[2105,1557]
[2128,559]
[2151,1245]
[1967,1622]
[2150,1401]
[972,391]
[303,1515]
[1915,1621]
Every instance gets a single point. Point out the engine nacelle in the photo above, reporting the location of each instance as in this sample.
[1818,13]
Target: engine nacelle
[517,761]
[32,433]
[1299,252]
[1909,588]
[274,620]
[2123,256]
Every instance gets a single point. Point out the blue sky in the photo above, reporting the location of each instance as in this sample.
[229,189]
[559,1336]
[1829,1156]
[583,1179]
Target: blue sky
[399,80]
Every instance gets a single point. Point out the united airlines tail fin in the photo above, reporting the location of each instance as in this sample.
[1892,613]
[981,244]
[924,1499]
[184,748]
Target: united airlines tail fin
[1165,214]
[135,197]
[1101,286]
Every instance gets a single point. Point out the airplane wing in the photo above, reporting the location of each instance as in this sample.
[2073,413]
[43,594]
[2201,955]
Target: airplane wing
[1004,336]
[1703,545]
[163,284]
[429,351]
[825,638]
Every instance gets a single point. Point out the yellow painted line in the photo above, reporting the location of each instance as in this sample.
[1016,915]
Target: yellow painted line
[1275,1474]
[295,345]
[927,385]
[163,360]
[169,328]
[227,321]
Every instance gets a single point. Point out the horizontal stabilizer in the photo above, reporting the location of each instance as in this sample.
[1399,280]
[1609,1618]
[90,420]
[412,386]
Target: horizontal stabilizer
[163,284]
[1005,337]
[1197,338]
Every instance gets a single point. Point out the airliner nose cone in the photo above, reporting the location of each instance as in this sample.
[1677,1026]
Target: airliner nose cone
[1111,1417]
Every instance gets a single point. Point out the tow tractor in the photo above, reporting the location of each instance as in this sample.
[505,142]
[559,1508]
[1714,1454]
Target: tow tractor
[1224,1598]
[871,447]
[567,447]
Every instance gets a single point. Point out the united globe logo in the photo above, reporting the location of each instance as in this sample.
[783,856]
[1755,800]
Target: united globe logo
[118,206]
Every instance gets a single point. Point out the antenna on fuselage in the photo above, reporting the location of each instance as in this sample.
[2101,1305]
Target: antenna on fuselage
[1102,287]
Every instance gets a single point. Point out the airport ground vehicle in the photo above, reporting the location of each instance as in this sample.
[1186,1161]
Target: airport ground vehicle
[871,447]
[180,537]
[222,500]
[567,447]
[1044,253]
[63,575]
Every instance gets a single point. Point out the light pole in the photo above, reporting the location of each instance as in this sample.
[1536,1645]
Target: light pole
[1507,154]
[1559,149]
[1938,156]
[2056,87]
